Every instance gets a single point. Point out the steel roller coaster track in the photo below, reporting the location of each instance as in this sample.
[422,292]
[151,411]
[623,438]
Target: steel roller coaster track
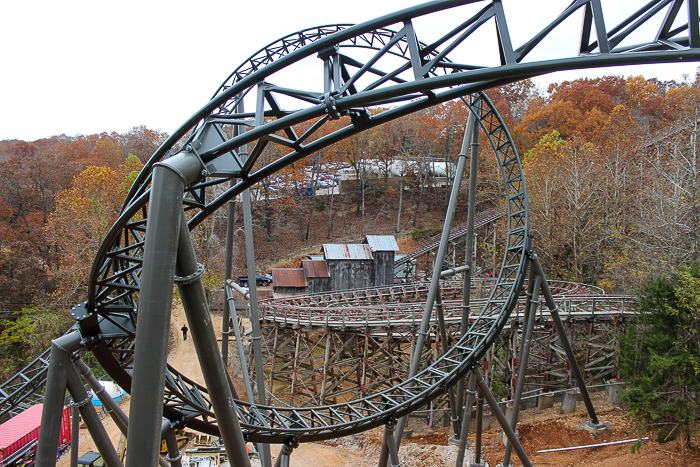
[379,63]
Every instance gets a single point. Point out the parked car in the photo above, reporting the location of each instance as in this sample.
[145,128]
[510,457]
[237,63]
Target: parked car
[259,280]
[325,183]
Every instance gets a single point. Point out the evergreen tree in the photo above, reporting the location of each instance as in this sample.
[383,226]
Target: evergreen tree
[660,355]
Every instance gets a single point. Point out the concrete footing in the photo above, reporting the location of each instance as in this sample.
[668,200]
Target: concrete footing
[487,420]
[483,463]
[614,394]
[568,402]
[545,401]
[508,412]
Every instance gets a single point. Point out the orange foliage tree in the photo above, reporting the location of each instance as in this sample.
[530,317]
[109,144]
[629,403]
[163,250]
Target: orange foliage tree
[84,213]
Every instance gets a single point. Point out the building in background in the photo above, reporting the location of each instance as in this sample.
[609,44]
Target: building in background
[340,267]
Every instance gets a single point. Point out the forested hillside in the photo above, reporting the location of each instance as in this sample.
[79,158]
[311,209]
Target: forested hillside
[611,166]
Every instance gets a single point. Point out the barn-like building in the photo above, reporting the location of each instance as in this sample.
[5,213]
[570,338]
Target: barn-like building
[340,267]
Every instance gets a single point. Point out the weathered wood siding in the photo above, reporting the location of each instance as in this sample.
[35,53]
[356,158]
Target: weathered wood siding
[384,263]
[318,284]
[351,274]
[290,290]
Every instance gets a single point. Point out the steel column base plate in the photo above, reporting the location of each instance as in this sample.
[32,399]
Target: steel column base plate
[596,428]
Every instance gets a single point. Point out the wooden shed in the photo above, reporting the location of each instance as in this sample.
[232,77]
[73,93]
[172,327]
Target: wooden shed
[317,277]
[350,266]
[288,281]
[384,248]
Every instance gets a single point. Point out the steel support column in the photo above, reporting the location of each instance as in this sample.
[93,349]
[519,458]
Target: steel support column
[285,453]
[219,385]
[530,315]
[87,411]
[54,397]
[228,262]
[496,410]
[391,444]
[115,412]
[444,347]
[228,267]
[472,138]
[167,432]
[155,300]
[466,420]
[580,382]
[478,430]
[254,314]
[435,282]
[75,436]
[239,345]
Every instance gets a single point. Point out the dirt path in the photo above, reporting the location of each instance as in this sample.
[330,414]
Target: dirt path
[181,353]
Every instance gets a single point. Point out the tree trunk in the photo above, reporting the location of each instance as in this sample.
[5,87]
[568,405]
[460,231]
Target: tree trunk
[420,198]
[314,180]
[268,224]
[359,192]
[363,207]
[398,214]
[330,212]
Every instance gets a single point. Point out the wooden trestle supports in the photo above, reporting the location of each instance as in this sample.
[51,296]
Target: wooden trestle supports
[479,389]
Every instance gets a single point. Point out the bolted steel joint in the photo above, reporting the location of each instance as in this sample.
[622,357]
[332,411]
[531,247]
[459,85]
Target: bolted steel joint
[186,280]
[331,107]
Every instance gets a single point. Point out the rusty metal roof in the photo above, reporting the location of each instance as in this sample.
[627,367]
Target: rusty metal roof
[315,257]
[315,268]
[288,277]
[352,251]
[382,242]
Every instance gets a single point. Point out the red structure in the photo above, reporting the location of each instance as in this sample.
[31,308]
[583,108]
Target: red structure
[19,435]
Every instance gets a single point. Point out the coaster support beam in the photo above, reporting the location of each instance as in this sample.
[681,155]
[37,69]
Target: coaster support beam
[530,315]
[472,139]
[564,340]
[439,260]
[54,397]
[221,391]
[496,410]
[155,301]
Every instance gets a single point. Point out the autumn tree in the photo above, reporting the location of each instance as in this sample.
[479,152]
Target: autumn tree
[357,150]
[26,334]
[401,145]
[545,182]
[84,213]
[573,108]
[670,221]
[622,181]
[141,141]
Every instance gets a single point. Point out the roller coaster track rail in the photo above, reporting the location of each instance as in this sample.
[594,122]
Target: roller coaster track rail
[379,63]
[482,219]
[401,306]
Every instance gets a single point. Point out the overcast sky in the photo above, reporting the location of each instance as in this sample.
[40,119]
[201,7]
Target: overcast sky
[83,67]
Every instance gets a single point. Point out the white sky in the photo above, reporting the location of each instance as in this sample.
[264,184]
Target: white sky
[83,67]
